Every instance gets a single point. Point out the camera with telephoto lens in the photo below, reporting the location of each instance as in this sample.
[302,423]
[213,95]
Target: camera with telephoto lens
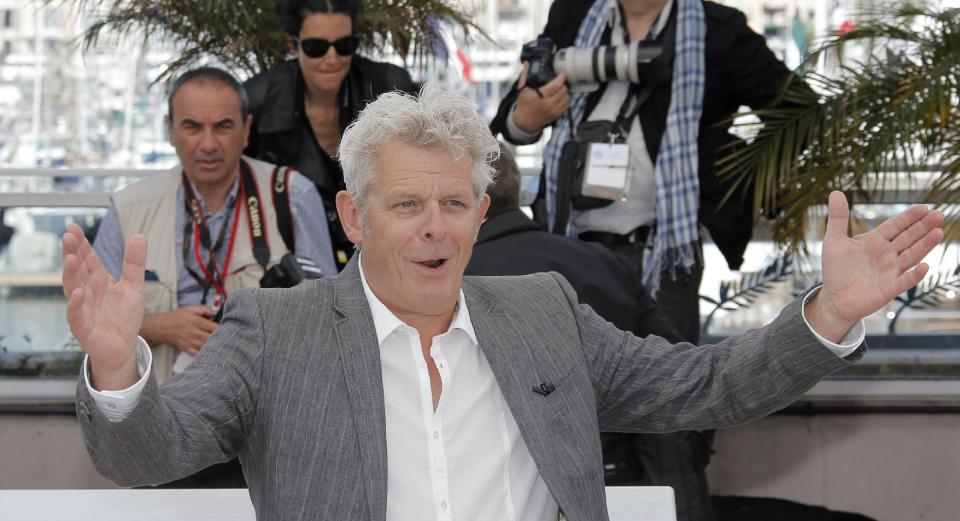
[290,271]
[587,68]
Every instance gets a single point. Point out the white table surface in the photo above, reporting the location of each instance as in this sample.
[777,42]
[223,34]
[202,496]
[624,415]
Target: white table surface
[624,503]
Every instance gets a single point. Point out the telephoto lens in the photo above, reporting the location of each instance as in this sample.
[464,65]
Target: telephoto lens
[587,68]
[590,67]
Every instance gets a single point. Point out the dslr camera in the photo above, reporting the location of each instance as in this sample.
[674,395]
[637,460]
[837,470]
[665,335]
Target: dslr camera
[290,271]
[586,68]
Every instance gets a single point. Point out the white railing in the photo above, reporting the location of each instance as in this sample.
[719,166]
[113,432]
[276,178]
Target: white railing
[64,199]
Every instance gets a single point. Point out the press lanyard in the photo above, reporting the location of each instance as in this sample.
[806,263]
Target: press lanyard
[213,276]
[199,232]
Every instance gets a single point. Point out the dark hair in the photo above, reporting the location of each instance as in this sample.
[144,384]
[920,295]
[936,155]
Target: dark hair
[504,191]
[294,11]
[209,74]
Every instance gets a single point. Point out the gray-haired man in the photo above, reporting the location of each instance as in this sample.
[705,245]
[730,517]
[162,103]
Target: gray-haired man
[402,390]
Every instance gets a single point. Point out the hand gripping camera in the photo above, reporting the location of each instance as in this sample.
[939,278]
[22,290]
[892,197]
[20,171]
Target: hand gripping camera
[585,68]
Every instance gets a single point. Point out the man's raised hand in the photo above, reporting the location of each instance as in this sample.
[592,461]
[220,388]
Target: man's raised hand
[105,314]
[862,274]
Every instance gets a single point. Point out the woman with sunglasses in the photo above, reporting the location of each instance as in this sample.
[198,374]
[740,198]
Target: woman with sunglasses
[301,108]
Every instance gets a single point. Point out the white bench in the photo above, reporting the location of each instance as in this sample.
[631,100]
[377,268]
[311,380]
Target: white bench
[624,504]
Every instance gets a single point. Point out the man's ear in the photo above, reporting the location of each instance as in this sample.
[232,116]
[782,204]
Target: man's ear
[484,206]
[169,125]
[247,125]
[350,217]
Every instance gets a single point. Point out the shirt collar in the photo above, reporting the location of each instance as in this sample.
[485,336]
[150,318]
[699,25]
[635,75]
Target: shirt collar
[203,206]
[385,322]
[655,29]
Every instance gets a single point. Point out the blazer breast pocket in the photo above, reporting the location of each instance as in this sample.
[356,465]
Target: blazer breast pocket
[565,421]
[569,393]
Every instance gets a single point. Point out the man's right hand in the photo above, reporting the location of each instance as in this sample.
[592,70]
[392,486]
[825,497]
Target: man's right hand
[104,314]
[186,328]
[534,112]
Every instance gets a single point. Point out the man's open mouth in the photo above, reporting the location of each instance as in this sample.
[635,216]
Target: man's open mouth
[433,263]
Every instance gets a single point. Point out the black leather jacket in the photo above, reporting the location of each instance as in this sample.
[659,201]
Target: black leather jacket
[282,135]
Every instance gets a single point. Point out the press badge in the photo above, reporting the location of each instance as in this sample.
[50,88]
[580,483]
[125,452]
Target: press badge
[606,174]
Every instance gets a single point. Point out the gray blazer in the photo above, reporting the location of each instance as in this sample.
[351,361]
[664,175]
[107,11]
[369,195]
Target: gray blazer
[291,382]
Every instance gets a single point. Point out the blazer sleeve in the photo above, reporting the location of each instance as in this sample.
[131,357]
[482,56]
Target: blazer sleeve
[196,419]
[650,385]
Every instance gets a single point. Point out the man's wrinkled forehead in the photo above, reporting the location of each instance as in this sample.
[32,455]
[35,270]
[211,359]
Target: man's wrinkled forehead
[436,168]
[196,94]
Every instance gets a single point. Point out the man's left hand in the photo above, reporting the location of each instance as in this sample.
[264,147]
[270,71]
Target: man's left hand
[862,274]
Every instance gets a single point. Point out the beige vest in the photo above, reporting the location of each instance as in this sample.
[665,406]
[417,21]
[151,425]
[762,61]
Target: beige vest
[149,207]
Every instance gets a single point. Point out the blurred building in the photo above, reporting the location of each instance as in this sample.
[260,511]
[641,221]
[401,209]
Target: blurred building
[67,105]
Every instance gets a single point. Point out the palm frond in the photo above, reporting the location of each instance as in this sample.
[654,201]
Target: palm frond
[853,132]
[744,291]
[247,34]
[412,27]
[930,293]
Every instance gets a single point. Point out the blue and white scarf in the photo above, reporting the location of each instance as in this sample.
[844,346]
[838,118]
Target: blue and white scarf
[676,239]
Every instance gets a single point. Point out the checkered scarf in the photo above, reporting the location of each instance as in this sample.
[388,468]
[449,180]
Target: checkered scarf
[675,244]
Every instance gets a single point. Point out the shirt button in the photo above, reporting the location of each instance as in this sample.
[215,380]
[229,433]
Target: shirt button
[443,505]
[436,434]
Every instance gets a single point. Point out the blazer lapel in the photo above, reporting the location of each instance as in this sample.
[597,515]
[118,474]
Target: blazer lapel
[360,355]
[519,364]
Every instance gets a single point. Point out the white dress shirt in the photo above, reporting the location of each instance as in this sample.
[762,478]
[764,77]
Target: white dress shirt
[467,460]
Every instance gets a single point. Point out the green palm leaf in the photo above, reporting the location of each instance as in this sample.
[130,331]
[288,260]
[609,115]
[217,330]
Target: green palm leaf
[888,114]
[247,35]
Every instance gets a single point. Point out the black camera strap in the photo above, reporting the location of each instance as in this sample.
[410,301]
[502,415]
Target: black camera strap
[257,228]
[281,203]
[629,109]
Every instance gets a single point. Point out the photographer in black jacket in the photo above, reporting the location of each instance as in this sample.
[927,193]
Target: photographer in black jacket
[673,189]
[672,118]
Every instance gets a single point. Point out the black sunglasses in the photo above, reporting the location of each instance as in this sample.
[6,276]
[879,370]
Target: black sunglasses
[318,47]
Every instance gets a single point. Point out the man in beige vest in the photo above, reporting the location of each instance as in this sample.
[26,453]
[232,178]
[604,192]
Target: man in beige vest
[206,217]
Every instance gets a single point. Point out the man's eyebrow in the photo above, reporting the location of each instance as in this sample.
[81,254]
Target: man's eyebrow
[224,122]
[188,121]
[401,194]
